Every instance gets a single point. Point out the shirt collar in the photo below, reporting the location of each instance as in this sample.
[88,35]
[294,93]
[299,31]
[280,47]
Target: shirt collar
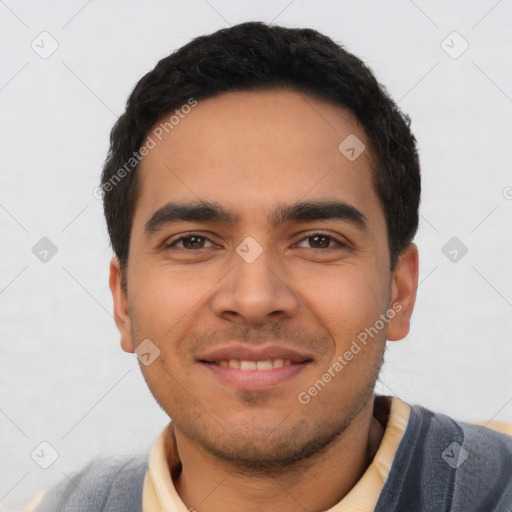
[165,465]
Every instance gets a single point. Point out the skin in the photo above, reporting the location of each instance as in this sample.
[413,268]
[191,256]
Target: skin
[249,152]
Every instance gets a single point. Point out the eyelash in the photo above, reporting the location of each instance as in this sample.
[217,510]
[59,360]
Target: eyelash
[192,234]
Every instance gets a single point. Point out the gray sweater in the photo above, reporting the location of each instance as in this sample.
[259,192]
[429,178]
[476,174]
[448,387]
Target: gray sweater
[441,465]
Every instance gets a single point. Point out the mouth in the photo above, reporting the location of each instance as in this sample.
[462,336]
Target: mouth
[251,369]
[247,365]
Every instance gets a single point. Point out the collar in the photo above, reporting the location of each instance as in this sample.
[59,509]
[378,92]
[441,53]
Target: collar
[159,493]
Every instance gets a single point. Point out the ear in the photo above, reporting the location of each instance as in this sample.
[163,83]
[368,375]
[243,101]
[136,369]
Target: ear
[403,293]
[121,310]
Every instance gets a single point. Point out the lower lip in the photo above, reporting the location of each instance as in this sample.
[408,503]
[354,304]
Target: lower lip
[255,379]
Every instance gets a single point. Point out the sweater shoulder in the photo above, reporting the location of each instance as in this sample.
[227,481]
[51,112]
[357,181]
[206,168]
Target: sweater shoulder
[446,464]
[105,485]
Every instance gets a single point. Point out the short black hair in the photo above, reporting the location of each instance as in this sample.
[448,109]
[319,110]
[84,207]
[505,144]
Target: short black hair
[256,56]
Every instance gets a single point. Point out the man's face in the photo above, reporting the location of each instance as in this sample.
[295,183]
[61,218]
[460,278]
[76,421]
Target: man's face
[258,302]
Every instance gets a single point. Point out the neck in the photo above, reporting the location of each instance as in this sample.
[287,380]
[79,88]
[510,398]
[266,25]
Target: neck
[207,484]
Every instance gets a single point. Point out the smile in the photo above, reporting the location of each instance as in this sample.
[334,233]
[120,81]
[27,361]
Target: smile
[253,375]
[247,365]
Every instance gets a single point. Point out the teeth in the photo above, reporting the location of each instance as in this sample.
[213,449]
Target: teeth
[248,365]
[245,365]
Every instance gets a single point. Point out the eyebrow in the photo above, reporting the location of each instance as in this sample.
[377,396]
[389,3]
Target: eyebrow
[211,212]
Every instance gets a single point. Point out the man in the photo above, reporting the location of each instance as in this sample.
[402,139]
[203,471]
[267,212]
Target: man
[261,194]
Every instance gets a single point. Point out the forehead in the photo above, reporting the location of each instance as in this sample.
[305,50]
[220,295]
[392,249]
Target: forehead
[252,150]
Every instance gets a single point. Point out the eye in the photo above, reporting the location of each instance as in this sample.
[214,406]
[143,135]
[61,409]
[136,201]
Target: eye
[195,241]
[190,242]
[321,241]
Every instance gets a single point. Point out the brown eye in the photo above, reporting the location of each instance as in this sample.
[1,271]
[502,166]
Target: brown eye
[191,242]
[321,241]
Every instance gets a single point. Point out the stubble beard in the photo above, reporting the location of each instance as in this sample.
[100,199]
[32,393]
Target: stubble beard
[270,453]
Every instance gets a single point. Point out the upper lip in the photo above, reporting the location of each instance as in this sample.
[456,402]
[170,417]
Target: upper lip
[260,353]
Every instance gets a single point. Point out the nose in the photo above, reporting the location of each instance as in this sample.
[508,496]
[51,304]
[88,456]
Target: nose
[255,292]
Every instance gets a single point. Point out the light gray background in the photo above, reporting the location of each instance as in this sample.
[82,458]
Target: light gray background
[64,378]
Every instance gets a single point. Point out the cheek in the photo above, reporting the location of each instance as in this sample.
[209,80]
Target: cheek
[164,295]
[344,300]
